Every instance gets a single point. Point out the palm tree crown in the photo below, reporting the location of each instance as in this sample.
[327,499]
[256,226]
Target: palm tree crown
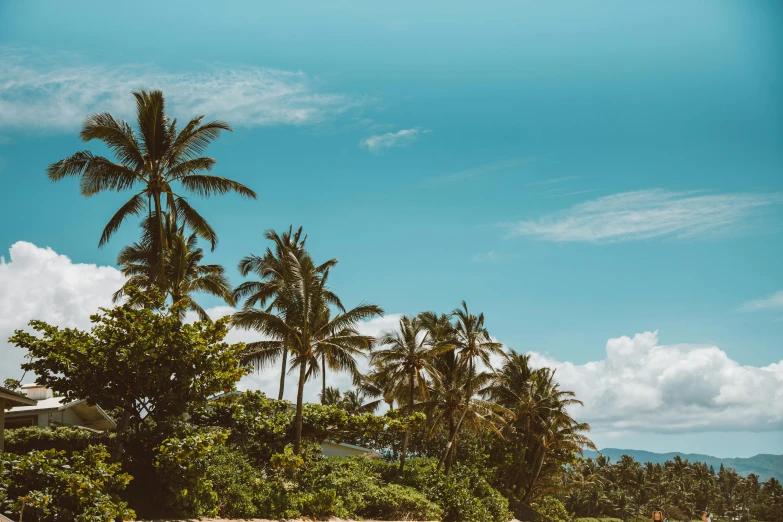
[155,159]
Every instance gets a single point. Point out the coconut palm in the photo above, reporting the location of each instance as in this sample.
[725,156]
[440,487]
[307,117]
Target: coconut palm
[378,385]
[471,341]
[155,159]
[301,318]
[447,395]
[273,269]
[331,396]
[353,401]
[184,273]
[406,358]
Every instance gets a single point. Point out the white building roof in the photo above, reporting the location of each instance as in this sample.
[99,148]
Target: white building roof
[93,416]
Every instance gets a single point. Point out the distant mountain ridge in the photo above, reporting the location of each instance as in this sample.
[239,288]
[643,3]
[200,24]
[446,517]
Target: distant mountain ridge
[763,465]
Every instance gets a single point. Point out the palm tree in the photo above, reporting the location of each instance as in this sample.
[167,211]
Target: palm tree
[331,397]
[304,323]
[406,358]
[274,272]
[377,385]
[155,159]
[353,401]
[472,341]
[448,394]
[184,273]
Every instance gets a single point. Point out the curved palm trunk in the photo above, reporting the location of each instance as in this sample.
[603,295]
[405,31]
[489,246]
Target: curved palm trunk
[299,408]
[537,465]
[282,374]
[407,439]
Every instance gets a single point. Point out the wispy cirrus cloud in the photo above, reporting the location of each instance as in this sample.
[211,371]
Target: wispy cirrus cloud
[648,214]
[401,138]
[475,171]
[773,302]
[494,256]
[56,92]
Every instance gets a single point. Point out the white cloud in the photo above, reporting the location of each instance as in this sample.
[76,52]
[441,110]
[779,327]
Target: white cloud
[58,91]
[475,172]
[775,301]
[400,138]
[38,283]
[647,214]
[643,386]
[494,256]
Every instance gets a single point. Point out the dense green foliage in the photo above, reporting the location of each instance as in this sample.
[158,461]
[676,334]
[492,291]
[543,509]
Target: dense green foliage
[46,486]
[168,367]
[680,488]
[68,439]
[463,440]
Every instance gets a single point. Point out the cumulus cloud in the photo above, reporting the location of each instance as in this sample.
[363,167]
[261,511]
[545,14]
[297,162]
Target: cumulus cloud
[58,91]
[401,138]
[774,302]
[643,386]
[38,283]
[647,214]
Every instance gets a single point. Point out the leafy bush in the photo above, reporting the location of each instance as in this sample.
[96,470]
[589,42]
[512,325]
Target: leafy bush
[601,519]
[553,508]
[49,487]
[360,491]
[395,502]
[68,439]
[182,465]
[463,495]
[239,487]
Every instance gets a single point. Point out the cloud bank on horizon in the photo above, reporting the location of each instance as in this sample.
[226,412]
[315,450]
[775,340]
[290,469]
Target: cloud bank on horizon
[56,92]
[647,214]
[641,385]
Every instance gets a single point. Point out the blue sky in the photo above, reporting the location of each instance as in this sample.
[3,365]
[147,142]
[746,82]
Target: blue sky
[578,172]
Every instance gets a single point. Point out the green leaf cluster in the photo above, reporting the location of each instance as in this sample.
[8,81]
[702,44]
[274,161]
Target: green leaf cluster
[46,486]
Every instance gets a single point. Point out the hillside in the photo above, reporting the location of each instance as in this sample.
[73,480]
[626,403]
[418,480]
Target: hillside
[764,465]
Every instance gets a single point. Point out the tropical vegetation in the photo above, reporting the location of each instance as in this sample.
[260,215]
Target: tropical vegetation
[467,430]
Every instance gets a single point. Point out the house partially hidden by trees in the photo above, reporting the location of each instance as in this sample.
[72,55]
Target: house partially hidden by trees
[10,399]
[42,409]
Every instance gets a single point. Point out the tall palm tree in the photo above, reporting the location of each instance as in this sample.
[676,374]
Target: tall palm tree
[472,341]
[538,410]
[273,269]
[304,322]
[406,358]
[448,395]
[155,159]
[184,273]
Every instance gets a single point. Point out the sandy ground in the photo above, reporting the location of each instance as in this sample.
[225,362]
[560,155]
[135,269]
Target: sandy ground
[266,520]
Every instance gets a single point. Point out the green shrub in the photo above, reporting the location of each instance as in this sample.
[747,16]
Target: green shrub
[50,487]
[600,519]
[553,508]
[24,440]
[182,464]
[395,502]
[463,495]
[240,489]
